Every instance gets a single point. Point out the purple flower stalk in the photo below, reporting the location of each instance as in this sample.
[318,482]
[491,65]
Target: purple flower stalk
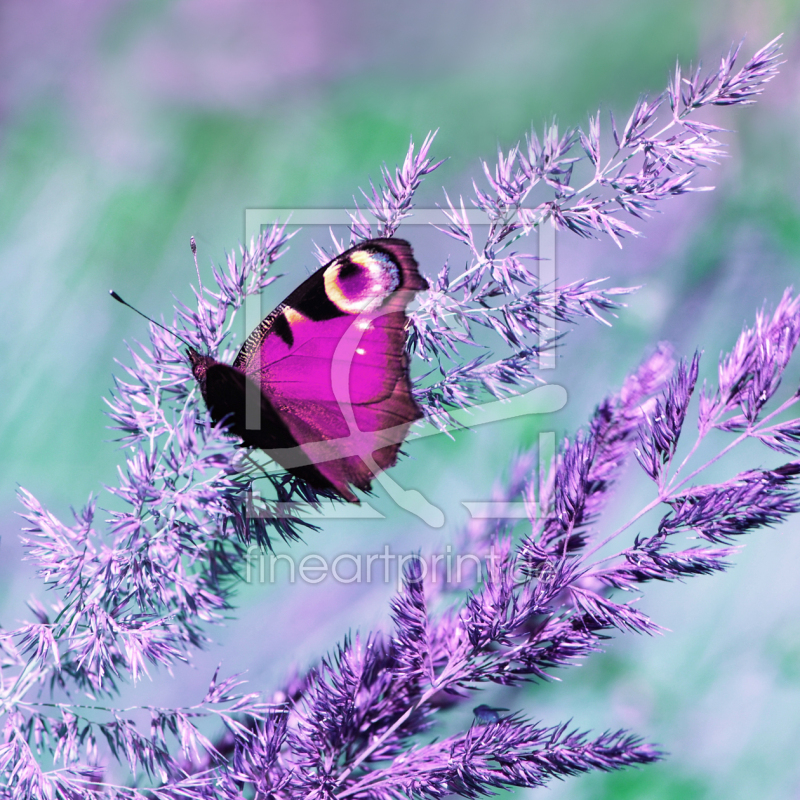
[142,592]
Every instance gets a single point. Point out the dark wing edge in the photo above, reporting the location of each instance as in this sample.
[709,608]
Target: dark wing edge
[401,251]
[225,393]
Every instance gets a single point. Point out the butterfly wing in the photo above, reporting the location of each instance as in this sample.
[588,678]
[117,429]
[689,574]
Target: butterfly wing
[226,391]
[330,361]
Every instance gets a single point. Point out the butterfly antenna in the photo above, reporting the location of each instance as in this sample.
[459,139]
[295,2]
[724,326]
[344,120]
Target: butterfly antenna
[193,245]
[163,327]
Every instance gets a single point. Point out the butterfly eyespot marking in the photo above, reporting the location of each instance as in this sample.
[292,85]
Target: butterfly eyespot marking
[360,351]
[361,281]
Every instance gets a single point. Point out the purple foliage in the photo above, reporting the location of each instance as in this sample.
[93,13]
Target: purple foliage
[659,436]
[142,591]
[497,288]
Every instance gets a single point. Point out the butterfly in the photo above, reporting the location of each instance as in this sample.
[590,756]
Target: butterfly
[322,384]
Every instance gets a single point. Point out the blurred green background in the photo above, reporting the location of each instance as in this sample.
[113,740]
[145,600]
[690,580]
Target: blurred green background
[127,127]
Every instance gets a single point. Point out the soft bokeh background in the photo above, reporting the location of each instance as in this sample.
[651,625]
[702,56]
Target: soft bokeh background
[127,127]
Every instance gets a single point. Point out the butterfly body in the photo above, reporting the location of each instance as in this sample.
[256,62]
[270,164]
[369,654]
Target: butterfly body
[326,372]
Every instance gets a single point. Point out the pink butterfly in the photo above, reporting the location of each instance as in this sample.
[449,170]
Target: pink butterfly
[322,384]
